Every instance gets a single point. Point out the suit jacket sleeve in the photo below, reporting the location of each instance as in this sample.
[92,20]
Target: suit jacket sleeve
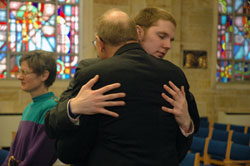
[184,143]
[57,123]
[75,148]
[73,143]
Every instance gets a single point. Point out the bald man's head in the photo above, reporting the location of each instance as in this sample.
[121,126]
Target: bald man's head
[116,15]
[115,27]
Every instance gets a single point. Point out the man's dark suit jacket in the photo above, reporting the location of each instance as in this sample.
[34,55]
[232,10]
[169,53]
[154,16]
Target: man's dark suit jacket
[143,134]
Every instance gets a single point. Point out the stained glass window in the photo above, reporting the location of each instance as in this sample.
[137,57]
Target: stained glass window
[3,39]
[48,25]
[233,42]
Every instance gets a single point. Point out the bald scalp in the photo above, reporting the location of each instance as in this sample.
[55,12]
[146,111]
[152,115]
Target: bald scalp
[115,27]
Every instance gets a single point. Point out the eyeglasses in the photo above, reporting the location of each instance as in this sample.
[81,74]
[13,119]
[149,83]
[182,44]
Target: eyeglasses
[94,41]
[25,73]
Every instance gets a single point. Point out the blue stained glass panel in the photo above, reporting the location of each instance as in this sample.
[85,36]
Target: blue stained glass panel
[239,6]
[18,46]
[69,1]
[3,39]
[3,36]
[30,24]
[3,15]
[239,53]
[67,10]
[246,50]
[3,65]
[66,66]
[223,20]
[224,71]
[46,45]
[224,37]
[33,25]
[3,46]
[241,38]
[242,6]
[233,41]
[239,70]
[247,71]
[229,9]
[12,26]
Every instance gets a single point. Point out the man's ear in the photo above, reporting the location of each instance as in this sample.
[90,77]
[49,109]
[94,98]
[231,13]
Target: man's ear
[45,75]
[140,32]
[100,43]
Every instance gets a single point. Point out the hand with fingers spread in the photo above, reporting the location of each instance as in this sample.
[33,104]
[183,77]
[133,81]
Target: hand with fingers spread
[89,102]
[180,106]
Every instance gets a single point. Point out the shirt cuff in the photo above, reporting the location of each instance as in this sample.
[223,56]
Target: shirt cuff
[74,119]
[191,130]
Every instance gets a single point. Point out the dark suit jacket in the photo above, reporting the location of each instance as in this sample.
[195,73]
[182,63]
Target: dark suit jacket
[143,134]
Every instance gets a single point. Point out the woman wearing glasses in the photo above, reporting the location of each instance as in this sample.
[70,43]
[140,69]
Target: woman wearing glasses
[31,146]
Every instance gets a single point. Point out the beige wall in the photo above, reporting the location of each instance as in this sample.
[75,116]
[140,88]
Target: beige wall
[196,30]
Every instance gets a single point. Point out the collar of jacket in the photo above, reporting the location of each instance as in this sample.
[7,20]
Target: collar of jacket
[127,47]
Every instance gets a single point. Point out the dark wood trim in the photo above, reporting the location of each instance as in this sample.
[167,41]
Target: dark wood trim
[10,114]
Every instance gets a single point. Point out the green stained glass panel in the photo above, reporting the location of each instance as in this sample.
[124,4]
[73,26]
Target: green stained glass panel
[225,6]
[242,71]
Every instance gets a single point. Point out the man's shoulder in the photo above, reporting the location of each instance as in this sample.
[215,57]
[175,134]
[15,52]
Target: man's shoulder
[169,64]
[87,62]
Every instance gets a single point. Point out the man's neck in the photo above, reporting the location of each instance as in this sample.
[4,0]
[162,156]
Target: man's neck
[111,50]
